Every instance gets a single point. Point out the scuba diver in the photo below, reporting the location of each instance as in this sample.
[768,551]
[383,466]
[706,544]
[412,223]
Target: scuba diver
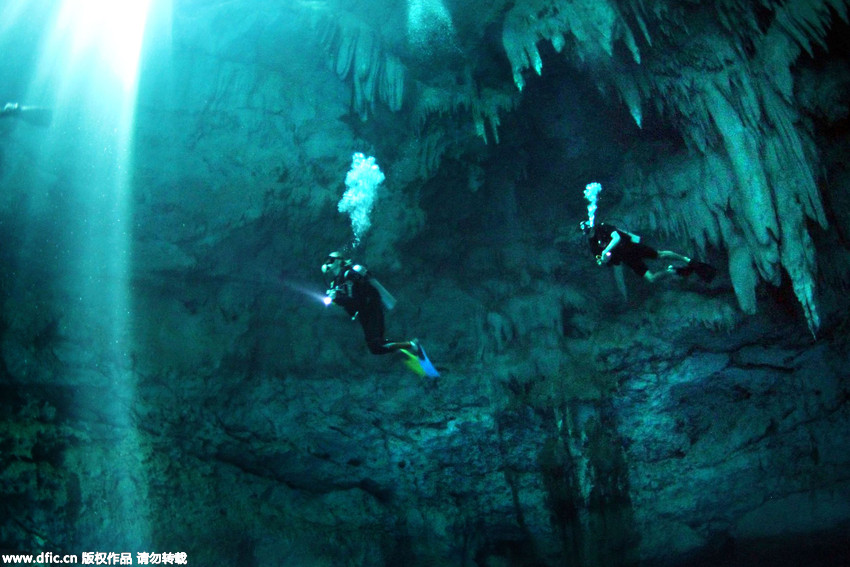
[364,299]
[35,115]
[614,246]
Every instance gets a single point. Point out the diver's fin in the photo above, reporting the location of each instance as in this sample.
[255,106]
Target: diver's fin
[426,368]
[705,271]
[426,365]
[412,362]
[36,115]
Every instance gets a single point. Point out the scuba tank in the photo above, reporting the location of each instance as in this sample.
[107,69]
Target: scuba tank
[386,297]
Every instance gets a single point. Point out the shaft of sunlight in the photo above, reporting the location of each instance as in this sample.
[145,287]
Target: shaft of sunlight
[88,72]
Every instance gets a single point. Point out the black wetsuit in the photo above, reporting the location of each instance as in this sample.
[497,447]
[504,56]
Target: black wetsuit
[10,110]
[625,252]
[360,298]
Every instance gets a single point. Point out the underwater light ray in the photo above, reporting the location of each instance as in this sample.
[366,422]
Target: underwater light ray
[11,14]
[88,67]
[104,32]
[304,290]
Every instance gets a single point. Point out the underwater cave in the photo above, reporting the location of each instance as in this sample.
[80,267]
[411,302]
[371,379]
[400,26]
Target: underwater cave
[177,385]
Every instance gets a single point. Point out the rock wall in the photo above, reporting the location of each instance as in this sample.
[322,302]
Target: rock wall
[666,449]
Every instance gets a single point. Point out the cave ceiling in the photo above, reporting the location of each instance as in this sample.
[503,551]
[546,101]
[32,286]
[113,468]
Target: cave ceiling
[719,128]
[710,89]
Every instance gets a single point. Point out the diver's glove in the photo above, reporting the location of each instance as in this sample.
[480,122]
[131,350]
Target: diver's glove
[603,258]
[330,295]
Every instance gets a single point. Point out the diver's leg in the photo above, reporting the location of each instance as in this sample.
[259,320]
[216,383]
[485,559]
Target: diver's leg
[641,269]
[373,330]
[372,321]
[402,345]
[653,277]
[673,256]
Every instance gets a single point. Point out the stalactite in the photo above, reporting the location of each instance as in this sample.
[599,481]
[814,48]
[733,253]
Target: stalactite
[484,106]
[519,39]
[432,148]
[345,52]
[688,198]
[743,274]
[429,100]
[639,11]
[701,198]
[392,83]
[795,151]
[698,198]
[486,109]
[594,26]
[357,54]
[364,53]
[806,21]
[789,165]
[798,258]
[630,42]
[629,92]
[755,197]
[434,101]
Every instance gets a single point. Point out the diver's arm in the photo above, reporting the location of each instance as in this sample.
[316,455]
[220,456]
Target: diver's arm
[342,293]
[633,237]
[605,256]
[338,294]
